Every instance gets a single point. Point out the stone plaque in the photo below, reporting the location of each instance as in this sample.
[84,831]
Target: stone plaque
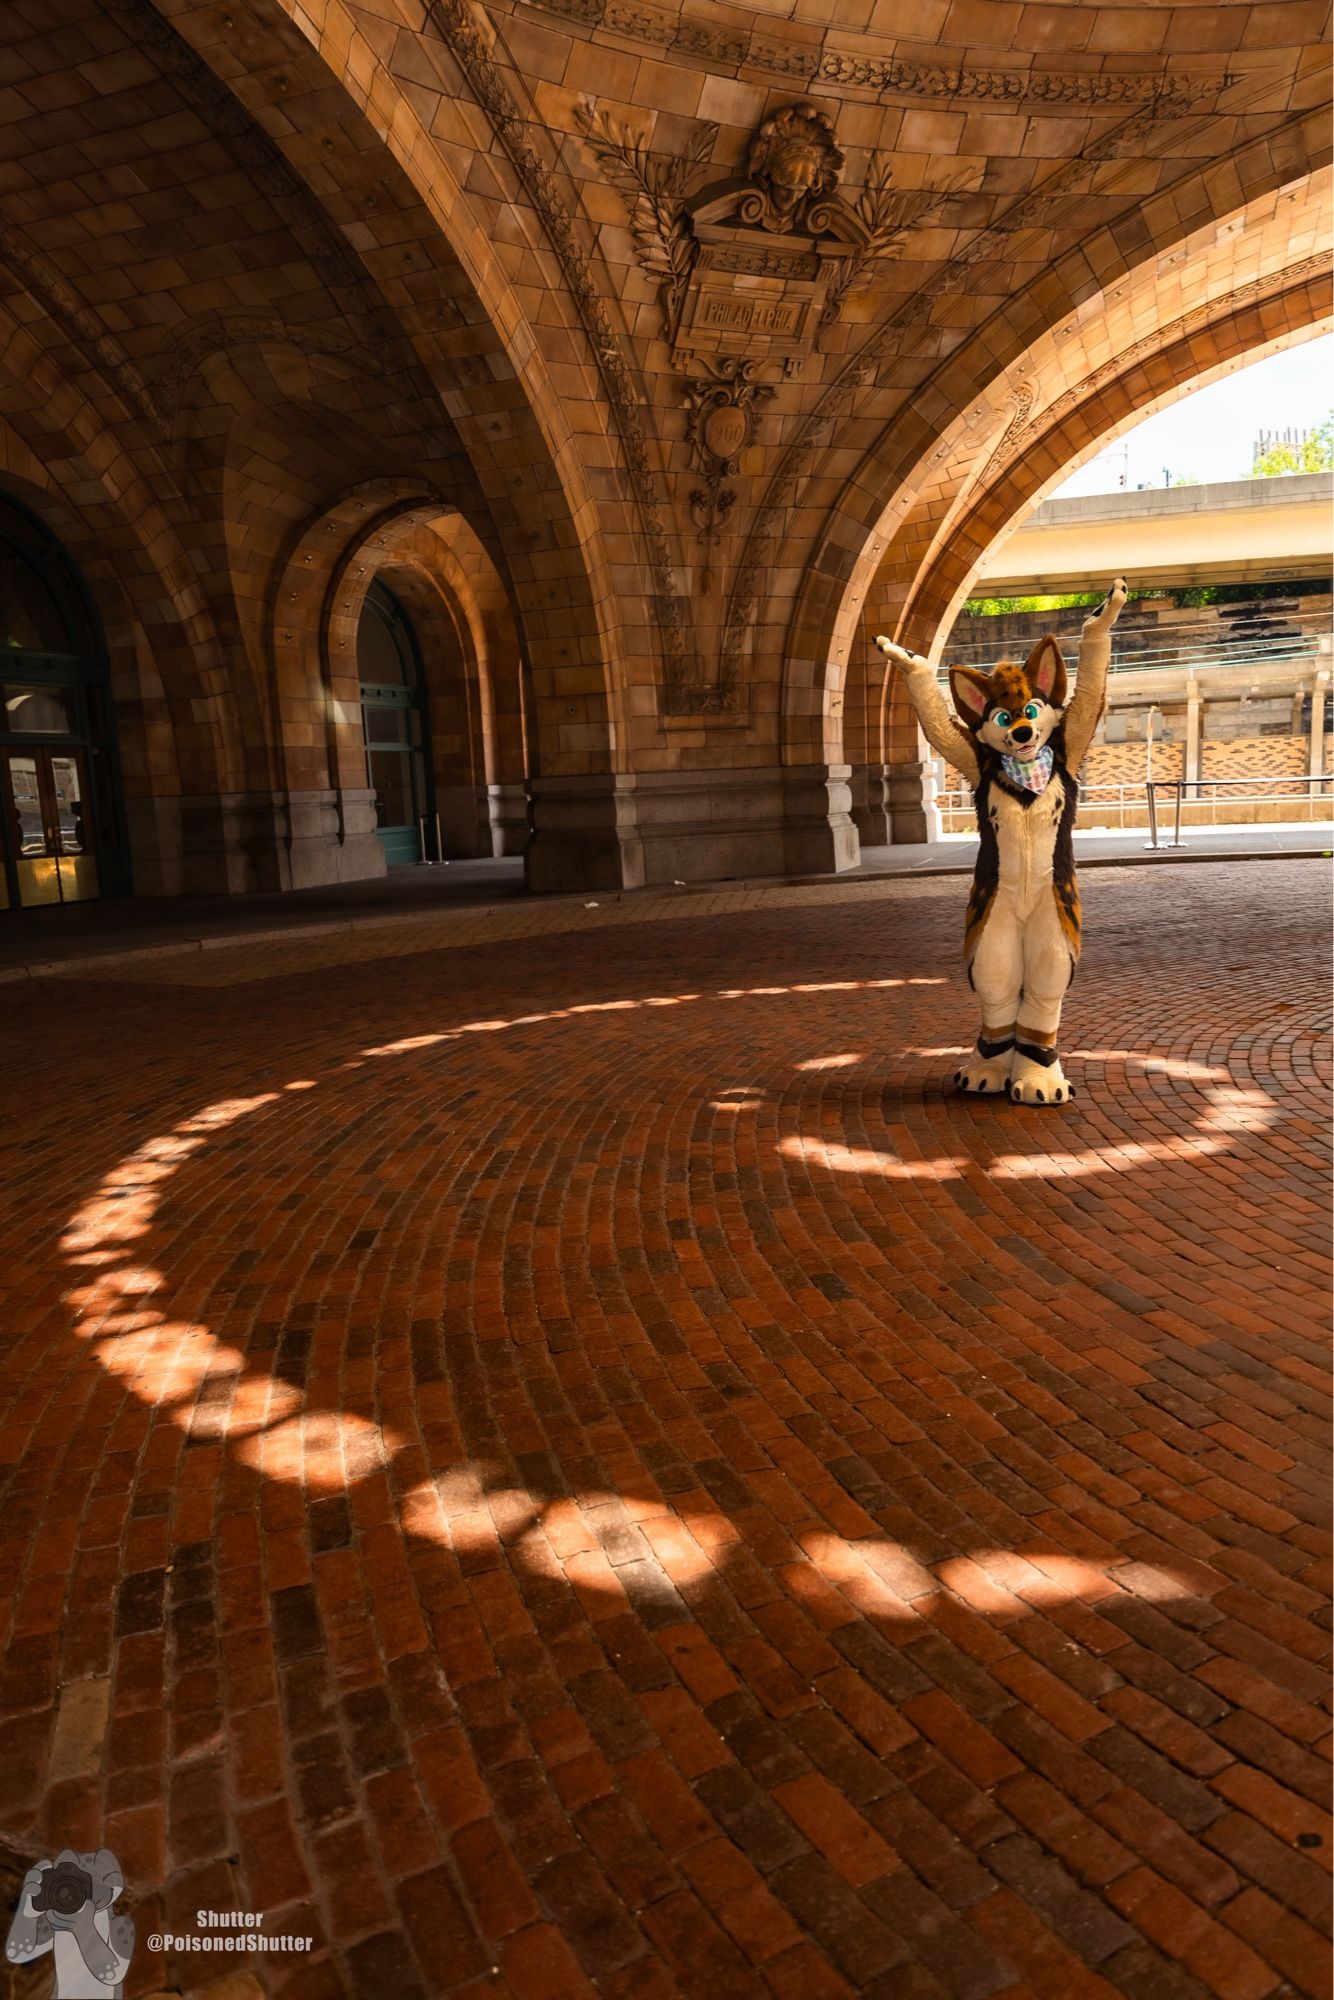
[769,318]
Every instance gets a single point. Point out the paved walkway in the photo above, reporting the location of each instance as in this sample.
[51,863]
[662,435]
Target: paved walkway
[582,1469]
[35,940]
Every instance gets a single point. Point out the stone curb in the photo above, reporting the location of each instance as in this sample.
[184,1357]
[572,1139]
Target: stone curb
[667,901]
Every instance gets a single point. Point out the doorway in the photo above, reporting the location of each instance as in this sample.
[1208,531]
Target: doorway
[61,839]
[51,839]
[395,726]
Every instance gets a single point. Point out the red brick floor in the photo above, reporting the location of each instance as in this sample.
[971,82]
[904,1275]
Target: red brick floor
[575,1466]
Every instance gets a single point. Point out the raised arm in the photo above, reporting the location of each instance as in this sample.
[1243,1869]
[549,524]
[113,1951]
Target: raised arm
[1084,710]
[939,727]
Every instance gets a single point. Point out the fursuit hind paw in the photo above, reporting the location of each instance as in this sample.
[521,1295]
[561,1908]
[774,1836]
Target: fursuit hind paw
[987,1070]
[1036,1077]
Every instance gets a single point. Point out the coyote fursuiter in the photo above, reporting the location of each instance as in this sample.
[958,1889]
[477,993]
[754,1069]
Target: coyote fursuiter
[1019,746]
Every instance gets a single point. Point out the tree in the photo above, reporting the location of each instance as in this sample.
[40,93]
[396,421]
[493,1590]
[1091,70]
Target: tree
[1002,607]
[1315,453]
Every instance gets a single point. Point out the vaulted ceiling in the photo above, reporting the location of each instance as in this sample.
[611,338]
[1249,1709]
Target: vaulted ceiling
[251,252]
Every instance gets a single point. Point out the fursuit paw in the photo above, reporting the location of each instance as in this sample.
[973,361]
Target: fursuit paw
[1110,609]
[987,1076]
[1033,1082]
[899,654]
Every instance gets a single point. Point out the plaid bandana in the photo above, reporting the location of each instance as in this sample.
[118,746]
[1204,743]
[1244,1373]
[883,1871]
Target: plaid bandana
[1030,776]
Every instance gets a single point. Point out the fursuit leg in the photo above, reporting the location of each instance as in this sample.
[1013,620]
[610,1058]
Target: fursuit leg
[1036,1076]
[998,976]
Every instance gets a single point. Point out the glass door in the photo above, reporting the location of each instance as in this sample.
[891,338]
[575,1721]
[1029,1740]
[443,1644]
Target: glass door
[62,829]
[46,801]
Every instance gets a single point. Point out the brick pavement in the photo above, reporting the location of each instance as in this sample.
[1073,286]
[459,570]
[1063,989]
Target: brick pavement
[571,1465]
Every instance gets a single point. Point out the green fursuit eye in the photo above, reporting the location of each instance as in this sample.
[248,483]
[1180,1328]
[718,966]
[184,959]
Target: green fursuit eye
[1001,718]
[1033,711]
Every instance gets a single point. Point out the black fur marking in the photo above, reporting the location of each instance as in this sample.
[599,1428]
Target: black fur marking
[986,871]
[1036,1054]
[1063,856]
[987,1050]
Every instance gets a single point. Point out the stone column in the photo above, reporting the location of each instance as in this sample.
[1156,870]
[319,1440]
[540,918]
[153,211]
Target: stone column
[870,803]
[1194,706]
[910,803]
[585,835]
[661,827]
[483,820]
[247,843]
[507,811]
[1315,762]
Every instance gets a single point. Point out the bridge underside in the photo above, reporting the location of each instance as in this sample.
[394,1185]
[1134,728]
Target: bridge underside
[1267,531]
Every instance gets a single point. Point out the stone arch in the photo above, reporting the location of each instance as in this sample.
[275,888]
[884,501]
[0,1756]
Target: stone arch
[426,158]
[407,532]
[175,719]
[266,431]
[915,596]
[456,686]
[942,437]
[474,676]
[483,355]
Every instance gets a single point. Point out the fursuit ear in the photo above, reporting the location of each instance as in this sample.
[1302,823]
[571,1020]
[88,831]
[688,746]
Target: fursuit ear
[1045,668]
[972,694]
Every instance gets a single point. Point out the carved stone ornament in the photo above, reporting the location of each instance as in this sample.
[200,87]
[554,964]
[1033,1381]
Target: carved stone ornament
[753,266]
[793,164]
[720,424]
[877,76]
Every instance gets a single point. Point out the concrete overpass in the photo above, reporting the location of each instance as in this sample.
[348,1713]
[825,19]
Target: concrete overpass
[1242,530]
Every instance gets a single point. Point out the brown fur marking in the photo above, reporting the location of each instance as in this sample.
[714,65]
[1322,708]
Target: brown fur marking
[1068,911]
[1010,686]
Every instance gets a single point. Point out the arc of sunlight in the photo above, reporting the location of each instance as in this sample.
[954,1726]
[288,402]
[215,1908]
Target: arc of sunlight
[1229,1109]
[879,1577]
[167,1362]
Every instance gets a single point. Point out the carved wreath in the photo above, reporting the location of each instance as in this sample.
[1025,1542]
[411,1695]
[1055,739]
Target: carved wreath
[656,192]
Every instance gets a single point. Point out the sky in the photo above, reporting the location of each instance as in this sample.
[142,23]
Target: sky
[1211,433]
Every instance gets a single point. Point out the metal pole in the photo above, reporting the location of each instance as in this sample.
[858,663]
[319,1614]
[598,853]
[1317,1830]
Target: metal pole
[1176,830]
[421,842]
[1152,841]
[439,851]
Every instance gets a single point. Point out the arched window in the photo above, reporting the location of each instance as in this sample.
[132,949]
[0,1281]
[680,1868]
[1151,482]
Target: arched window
[394,724]
[60,838]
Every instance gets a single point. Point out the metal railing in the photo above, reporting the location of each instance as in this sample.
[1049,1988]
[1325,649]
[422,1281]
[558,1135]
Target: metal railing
[1185,656]
[1139,799]
[1181,786]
